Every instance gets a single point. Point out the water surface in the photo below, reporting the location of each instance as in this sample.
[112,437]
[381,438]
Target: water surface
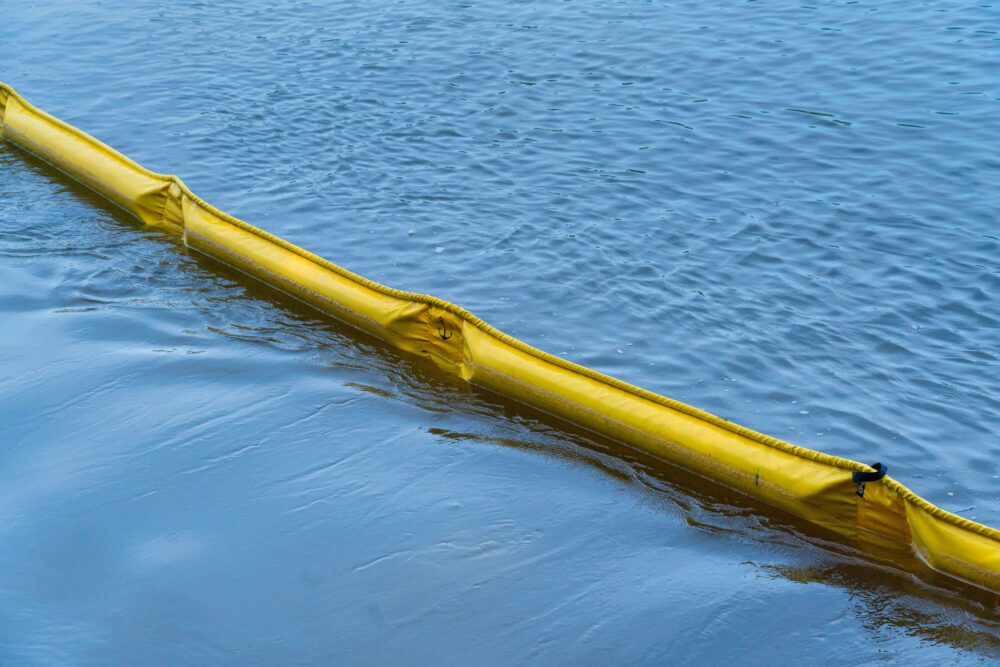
[784,214]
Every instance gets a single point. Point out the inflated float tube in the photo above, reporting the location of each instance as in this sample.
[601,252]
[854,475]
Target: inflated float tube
[851,498]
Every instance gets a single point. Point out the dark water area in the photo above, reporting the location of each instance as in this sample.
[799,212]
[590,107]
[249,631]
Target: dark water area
[785,214]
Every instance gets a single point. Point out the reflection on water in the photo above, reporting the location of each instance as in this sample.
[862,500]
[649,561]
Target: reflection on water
[783,214]
[938,618]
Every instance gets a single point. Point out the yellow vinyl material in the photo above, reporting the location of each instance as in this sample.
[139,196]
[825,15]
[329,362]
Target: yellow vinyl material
[809,484]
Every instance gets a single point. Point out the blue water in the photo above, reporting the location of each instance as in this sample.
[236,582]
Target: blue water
[784,214]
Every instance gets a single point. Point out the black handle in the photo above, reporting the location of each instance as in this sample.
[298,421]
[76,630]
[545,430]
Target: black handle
[860,478]
[879,473]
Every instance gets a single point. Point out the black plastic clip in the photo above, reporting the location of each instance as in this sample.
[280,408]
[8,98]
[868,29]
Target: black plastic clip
[860,478]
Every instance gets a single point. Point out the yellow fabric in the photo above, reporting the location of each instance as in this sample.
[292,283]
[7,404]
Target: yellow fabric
[806,483]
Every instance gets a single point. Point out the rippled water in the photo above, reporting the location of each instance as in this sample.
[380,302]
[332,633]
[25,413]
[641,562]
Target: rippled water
[781,213]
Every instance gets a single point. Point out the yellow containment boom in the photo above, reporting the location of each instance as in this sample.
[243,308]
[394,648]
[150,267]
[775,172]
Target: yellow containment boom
[850,498]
